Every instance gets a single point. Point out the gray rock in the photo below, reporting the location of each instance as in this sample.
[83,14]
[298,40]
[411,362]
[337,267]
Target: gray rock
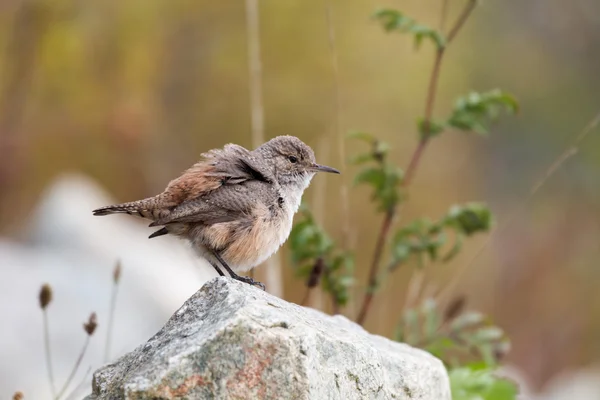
[234,341]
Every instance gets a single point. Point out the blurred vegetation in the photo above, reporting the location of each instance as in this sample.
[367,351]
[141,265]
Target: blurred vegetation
[481,343]
[132,92]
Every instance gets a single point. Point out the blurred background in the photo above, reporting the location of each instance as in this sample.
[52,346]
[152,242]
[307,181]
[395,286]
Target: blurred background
[106,101]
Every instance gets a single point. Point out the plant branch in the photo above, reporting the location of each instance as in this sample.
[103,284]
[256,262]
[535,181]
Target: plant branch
[380,244]
[415,158]
[464,15]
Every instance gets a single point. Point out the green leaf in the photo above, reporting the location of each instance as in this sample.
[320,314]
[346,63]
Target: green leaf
[394,20]
[480,384]
[470,218]
[476,111]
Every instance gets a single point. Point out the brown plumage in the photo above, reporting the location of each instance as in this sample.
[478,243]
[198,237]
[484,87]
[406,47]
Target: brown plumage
[235,206]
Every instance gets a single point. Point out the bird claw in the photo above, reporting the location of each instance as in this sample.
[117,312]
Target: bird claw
[247,279]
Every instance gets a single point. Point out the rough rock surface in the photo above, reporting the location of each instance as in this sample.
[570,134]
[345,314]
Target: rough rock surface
[233,341]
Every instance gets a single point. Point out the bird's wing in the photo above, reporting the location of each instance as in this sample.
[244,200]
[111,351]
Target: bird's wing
[231,165]
[227,203]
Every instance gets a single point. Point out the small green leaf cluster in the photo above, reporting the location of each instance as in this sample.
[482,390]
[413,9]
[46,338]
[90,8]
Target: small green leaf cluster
[384,177]
[455,336]
[474,112]
[477,383]
[397,21]
[311,246]
[468,343]
[424,237]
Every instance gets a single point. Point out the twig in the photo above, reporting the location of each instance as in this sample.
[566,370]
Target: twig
[48,353]
[75,368]
[414,160]
[569,152]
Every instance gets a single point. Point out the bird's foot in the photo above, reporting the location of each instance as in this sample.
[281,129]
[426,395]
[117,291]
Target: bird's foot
[247,279]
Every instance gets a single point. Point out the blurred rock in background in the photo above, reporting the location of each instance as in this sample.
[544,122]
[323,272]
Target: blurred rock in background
[75,253]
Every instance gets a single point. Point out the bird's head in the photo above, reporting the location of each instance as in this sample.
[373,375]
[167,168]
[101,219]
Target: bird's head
[292,161]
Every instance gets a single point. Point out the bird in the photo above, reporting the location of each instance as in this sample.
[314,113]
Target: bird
[234,206]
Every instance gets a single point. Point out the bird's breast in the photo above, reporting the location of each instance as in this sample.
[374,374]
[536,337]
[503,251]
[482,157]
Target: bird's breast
[260,237]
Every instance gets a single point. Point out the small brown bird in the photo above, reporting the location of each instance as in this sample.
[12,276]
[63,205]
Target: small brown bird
[235,206]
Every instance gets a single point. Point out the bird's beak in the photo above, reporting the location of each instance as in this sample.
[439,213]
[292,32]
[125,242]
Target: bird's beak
[325,168]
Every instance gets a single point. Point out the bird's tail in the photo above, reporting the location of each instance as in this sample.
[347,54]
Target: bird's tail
[142,208]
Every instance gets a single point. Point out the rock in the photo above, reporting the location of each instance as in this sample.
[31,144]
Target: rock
[233,341]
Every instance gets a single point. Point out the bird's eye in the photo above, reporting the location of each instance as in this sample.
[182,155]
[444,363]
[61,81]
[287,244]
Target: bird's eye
[293,159]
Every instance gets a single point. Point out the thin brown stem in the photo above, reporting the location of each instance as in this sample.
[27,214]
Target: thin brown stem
[48,353]
[75,368]
[415,158]
[271,274]
[306,297]
[381,239]
[111,317]
[443,14]
[345,208]
[464,15]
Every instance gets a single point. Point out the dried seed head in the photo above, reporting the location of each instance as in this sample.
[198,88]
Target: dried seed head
[18,396]
[315,273]
[455,308]
[117,272]
[91,325]
[45,295]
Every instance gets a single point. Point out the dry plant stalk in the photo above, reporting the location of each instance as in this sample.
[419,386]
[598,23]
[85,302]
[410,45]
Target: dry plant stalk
[113,305]
[272,270]
[45,298]
[89,327]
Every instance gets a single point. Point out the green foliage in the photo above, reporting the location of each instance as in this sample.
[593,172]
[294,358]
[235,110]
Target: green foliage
[384,177]
[310,245]
[467,342]
[471,383]
[476,111]
[458,338]
[394,20]
[426,238]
